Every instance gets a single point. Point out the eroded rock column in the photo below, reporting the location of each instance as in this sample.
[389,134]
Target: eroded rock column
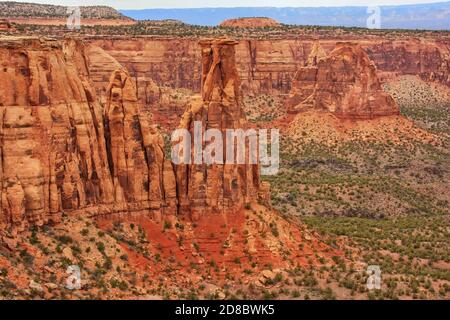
[217,187]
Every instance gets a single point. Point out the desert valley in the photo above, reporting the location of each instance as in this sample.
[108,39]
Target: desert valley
[87,178]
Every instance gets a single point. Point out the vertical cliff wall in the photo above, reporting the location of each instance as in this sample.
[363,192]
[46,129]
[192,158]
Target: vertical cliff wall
[269,66]
[217,187]
[74,141]
[344,83]
[61,151]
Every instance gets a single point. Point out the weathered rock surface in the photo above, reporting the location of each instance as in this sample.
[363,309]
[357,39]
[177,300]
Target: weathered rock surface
[52,150]
[428,59]
[217,187]
[317,53]
[269,66]
[135,152]
[66,148]
[56,155]
[101,65]
[344,83]
[63,151]
[250,22]
[162,105]
[5,25]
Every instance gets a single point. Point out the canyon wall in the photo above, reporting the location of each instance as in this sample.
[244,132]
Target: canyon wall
[76,138]
[344,83]
[163,104]
[269,66]
[218,187]
[62,150]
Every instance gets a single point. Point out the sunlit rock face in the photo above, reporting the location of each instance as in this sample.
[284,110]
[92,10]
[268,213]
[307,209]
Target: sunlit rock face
[344,83]
[56,153]
[217,187]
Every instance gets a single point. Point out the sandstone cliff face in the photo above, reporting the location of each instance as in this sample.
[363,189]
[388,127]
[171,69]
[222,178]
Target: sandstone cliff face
[268,66]
[62,151]
[317,53]
[142,177]
[76,145]
[162,105]
[428,59]
[169,62]
[56,155]
[52,151]
[5,25]
[344,83]
[249,22]
[101,65]
[217,187]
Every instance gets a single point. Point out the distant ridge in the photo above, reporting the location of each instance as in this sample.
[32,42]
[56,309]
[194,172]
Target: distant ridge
[433,16]
[12,9]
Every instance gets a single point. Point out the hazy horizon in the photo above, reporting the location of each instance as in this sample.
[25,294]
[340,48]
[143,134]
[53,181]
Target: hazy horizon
[193,4]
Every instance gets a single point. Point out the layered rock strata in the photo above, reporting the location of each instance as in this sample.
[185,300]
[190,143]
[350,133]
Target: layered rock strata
[216,187]
[60,151]
[344,83]
[269,66]
[70,143]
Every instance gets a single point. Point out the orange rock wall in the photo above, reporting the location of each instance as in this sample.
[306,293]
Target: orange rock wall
[62,151]
[268,66]
[218,187]
[76,138]
[344,83]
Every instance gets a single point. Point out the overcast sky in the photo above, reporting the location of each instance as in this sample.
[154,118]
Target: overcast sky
[149,4]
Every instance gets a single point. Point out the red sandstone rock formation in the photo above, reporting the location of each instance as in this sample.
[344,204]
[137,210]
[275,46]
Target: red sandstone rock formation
[5,25]
[56,155]
[51,147]
[317,53]
[142,177]
[218,187]
[344,83]
[63,150]
[428,59]
[250,22]
[162,104]
[101,65]
[269,66]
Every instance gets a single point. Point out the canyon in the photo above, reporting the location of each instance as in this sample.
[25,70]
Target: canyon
[87,177]
[75,147]
[167,71]
[269,67]
[63,149]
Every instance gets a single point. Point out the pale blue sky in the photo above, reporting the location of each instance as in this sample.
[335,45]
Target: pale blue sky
[149,4]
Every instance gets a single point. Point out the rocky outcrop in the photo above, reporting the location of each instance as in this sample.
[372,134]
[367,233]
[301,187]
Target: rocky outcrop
[60,151]
[428,59]
[171,63]
[65,149]
[317,53]
[345,83]
[269,66]
[52,152]
[161,105]
[218,187]
[101,65]
[250,22]
[135,153]
[5,25]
